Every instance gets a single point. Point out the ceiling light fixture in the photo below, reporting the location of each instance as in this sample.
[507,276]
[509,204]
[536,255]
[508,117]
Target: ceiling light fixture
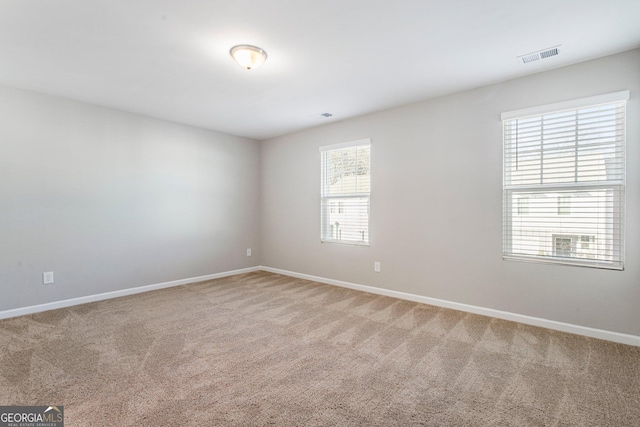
[248,56]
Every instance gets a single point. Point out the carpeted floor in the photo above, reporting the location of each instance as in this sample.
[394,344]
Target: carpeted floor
[265,349]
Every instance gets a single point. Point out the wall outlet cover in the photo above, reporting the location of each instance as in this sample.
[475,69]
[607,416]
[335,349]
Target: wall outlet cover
[47,278]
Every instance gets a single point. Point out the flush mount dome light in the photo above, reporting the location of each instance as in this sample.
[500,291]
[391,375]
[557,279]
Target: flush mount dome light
[248,56]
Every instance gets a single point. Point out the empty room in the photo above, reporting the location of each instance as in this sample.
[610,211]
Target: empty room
[336,213]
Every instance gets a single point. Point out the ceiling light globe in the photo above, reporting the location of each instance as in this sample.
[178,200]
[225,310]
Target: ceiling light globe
[249,57]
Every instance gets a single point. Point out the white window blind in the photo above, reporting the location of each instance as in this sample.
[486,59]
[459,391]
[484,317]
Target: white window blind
[564,182]
[345,191]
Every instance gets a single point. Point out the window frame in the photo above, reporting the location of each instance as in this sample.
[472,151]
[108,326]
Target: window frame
[566,189]
[334,203]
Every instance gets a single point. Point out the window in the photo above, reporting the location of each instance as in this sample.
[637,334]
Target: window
[564,205]
[523,205]
[564,246]
[573,246]
[564,182]
[345,189]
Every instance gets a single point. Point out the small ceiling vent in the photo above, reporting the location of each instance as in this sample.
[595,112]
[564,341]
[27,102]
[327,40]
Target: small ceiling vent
[541,54]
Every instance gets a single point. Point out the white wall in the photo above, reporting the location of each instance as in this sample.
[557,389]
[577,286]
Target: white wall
[436,203]
[109,200]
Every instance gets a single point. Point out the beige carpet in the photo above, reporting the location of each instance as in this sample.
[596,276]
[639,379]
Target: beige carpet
[265,349]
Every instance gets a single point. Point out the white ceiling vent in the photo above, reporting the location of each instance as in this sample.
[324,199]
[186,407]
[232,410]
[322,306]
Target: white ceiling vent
[541,54]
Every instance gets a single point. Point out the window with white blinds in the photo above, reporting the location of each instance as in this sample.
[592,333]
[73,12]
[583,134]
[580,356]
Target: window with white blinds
[345,190]
[564,182]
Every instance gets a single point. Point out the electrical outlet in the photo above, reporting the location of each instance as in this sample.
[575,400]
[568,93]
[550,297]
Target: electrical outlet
[376,266]
[249,252]
[47,278]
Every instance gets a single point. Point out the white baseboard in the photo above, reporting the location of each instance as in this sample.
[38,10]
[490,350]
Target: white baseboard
[506,315]
[528,320]
[115,294]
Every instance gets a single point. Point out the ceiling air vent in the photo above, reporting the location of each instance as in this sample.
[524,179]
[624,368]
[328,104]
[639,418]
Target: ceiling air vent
[541,54]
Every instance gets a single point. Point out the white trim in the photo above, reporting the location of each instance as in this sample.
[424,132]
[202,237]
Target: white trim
[345,242]
[365,141]
[520,318]
[506,315]
[567,105]
[618,266]
[115,294]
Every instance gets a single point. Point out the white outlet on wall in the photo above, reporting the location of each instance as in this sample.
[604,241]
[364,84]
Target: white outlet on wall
[249,252]
[47,278]
[376,266]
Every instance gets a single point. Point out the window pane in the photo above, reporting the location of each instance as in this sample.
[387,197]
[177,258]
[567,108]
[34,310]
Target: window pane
[557,221]
[349,222]
[564,205]
[347,170]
